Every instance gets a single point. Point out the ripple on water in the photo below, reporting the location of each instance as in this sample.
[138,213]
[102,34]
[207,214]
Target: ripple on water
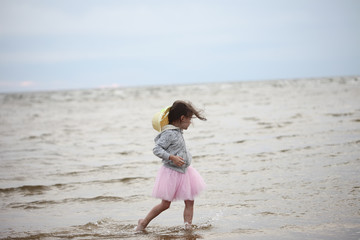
[111,229]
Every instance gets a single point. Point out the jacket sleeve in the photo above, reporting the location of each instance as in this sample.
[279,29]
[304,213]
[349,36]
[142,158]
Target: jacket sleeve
[161,145]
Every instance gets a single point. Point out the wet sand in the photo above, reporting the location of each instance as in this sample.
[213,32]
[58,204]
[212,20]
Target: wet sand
[281,160]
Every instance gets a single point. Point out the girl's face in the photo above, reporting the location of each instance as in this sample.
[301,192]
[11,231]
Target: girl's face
[185,122]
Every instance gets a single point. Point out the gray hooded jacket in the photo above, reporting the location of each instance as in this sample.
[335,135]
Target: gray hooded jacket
[171,142]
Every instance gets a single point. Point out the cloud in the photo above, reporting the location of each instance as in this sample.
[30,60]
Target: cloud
[53,56]
[113,85]
[27,84]
[143,18]
[4,85]
[138,19]
[74,41]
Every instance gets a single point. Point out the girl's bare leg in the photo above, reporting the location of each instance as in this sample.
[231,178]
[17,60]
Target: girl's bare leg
[188,213]
[142,223]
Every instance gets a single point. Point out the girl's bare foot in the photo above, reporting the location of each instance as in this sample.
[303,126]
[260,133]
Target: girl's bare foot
[187,226]
[140,225]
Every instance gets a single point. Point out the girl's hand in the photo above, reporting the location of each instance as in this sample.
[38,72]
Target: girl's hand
[178,161]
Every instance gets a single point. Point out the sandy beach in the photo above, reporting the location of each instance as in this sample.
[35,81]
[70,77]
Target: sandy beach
[281,160]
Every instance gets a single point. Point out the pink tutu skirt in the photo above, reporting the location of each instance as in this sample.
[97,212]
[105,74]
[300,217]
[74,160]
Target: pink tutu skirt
[172,185]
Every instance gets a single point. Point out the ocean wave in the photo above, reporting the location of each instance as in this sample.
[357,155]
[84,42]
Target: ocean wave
[111,229]
[47,203]
[28,190]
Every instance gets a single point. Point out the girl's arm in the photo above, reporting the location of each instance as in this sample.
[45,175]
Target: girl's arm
[160,152]
[162,143]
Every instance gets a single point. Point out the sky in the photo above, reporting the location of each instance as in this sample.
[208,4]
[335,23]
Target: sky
[80,44]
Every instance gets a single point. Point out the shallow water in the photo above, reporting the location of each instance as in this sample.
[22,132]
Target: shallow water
[281,160]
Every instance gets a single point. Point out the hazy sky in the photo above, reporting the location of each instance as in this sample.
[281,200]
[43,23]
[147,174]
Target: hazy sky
[66,44]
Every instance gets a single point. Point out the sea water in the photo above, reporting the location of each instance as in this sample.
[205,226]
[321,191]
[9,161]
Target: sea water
[281,160]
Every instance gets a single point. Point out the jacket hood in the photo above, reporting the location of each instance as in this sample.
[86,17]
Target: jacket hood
[170,127]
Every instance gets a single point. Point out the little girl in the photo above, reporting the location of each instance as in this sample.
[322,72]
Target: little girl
[176,179]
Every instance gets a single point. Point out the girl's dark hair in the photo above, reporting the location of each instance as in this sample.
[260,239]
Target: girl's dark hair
[180,108]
